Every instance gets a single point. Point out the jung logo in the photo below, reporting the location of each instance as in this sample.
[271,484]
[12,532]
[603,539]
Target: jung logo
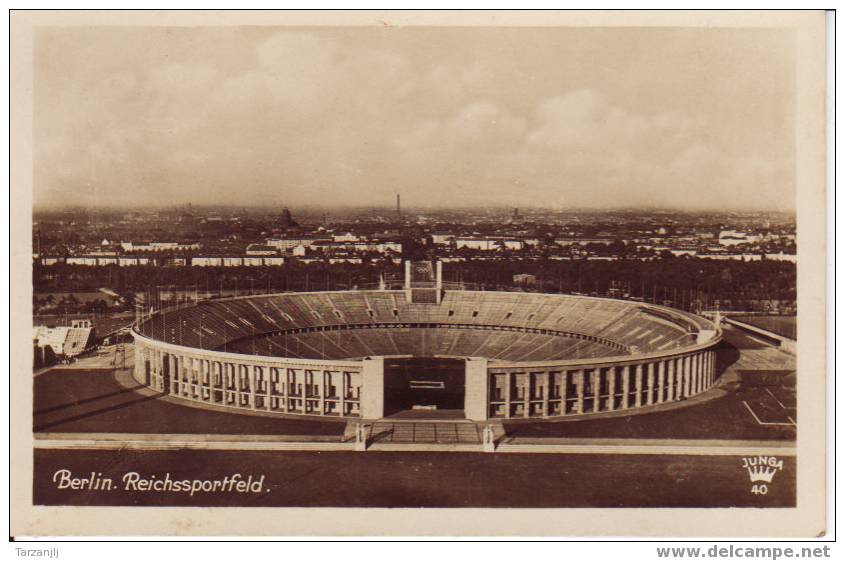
[761,471]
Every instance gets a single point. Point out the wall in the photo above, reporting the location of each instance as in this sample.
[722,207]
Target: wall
[542,390]
[256,383]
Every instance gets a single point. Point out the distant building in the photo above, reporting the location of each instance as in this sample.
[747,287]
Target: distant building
[330,247]
[525,280]
[791,257]
[207,261]
[290,243]
[261,249]
[65,342]
[82,260]
[159,246]
[287,219]
[681,251]
[347,237]
[735,237]
[583,241]
[274,261]
[489,244]
[442,238]
[237,261]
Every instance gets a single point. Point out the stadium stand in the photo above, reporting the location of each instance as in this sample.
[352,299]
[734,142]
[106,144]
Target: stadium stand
[354,324]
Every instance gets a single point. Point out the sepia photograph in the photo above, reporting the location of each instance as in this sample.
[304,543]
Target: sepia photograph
[539,266]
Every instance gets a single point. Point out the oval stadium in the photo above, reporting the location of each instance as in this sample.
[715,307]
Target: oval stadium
[477,355]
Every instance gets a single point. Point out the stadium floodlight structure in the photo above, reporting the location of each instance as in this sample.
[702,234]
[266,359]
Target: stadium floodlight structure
[365,353]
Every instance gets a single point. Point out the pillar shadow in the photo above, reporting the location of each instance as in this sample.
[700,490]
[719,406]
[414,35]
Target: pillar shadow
[43,427]
[87,400]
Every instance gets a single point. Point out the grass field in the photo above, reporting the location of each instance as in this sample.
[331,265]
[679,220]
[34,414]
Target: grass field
[94,401]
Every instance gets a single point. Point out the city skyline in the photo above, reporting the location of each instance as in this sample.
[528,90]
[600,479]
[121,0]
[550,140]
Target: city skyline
[686,119]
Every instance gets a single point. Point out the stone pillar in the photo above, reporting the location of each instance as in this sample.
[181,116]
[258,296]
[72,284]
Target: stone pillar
[692,361]
[286,390]
[508,392]
[321,391]
[692,375]
[439,279]
[711,368]
[626,385]
[638,385]
[579,388]
[661,381]
[238,386]
[205,378]
[372,388]
[526,395]
[670,379]
[545,395]
[679,378]
[699,376]
[699,372]
[221,380]
[687,370]
[139,371]
[267,377]
[253,382]
[476,400]
[174,376]
[341,393]
[596,390]
[564,387]
[650,384]
[611,388]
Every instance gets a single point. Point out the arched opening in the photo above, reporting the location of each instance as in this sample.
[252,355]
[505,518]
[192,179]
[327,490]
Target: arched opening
[424,387]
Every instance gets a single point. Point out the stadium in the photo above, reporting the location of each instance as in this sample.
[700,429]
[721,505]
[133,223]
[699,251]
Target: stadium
[420,349]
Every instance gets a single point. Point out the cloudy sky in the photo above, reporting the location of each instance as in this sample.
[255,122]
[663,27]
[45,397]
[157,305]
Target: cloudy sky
[684,118]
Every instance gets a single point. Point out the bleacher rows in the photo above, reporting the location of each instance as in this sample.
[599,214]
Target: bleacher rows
[240,325]
[355,344]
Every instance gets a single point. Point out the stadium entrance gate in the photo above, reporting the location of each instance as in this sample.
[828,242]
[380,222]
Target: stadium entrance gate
[419,383]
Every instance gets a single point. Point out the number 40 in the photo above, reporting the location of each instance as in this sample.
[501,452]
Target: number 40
[761,489]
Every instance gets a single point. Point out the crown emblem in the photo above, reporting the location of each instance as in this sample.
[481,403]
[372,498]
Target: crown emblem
[761,473]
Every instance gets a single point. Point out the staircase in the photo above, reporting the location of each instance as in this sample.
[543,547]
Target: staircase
[408,432]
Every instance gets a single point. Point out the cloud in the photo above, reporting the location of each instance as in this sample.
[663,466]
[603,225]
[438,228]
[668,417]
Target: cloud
[298,117]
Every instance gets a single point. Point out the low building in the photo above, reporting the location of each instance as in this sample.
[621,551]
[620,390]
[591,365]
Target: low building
[159,246]
[284,244]
[525,279]
[489,243]
[582,241]
[442,238]
[65,342]
[261,249]
[207,261]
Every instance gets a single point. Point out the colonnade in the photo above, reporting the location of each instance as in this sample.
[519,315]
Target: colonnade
[356,388]
[324,388]
[569,390]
